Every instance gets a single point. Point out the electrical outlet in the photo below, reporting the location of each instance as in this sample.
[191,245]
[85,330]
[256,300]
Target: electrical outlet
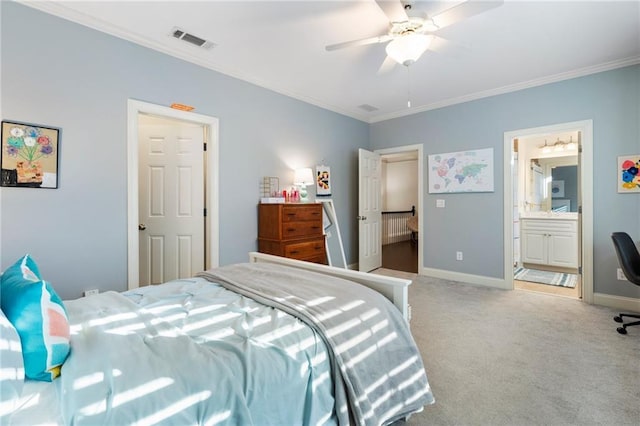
[440,203]
[620,275]
[458,255]
[91,292]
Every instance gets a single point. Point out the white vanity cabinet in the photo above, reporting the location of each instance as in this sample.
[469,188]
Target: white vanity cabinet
[551,242]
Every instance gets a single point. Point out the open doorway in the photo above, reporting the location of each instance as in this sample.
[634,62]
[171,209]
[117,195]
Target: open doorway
[547,200]
[401,189]
[548,210]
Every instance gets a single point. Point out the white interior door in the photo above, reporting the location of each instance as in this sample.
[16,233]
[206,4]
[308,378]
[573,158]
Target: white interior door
[171,199]
[369,210]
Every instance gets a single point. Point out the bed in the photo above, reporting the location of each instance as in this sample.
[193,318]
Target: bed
[273,341]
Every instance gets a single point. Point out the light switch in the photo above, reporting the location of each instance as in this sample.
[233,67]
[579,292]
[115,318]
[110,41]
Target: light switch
[440,203]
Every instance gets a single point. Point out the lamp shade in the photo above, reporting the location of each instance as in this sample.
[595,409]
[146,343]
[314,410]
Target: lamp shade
[408,48]
[303,177]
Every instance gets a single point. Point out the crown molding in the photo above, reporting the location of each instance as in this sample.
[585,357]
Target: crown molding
[607,66]
[57,9]
[61,11]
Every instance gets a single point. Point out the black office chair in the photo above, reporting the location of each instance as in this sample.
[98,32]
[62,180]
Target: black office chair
[629,260]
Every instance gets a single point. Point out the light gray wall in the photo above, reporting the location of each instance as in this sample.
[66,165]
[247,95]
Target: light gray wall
[65,75]
[61,74]
[473,223]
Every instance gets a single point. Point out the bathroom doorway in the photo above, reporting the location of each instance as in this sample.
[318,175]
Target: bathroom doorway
[548,196]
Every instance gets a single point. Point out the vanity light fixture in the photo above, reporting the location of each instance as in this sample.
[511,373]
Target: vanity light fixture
[571,145]
[558,146]
[546,148]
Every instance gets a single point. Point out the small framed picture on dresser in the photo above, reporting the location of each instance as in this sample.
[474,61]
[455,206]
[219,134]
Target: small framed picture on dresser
[323,181]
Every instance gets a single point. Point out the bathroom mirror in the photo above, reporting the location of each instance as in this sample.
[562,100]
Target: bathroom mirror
[553,184]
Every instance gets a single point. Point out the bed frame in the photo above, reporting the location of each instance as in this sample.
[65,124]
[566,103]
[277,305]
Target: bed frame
[394,289]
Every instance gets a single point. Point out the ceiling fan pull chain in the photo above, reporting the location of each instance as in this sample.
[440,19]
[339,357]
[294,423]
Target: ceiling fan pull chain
[408,88]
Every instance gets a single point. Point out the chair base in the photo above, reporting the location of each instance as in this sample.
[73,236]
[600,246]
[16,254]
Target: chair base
[619,319]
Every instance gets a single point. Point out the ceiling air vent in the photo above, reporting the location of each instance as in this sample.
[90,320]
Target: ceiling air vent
[367,107]
[190,38]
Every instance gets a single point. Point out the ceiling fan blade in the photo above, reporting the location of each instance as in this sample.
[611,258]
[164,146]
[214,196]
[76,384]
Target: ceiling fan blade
[393,9]
[463,11]
[387,65]
[362,42]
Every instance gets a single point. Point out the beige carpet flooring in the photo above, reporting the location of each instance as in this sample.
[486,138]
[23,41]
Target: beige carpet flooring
[496,357]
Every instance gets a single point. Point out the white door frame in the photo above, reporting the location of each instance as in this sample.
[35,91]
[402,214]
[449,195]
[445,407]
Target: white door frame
[135,107]
[408,148]
[586,182]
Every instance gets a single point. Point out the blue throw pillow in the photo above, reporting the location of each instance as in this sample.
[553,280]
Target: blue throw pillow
[39,316]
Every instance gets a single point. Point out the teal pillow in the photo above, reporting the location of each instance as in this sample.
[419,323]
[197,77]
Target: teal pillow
[39,316]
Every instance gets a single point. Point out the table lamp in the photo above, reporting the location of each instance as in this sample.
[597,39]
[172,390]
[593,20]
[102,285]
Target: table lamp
[303,178]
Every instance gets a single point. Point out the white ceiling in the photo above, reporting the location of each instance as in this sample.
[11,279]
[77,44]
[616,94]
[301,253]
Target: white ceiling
[280,45]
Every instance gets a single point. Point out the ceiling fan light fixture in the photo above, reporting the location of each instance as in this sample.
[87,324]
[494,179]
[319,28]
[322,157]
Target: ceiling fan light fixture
[408,48]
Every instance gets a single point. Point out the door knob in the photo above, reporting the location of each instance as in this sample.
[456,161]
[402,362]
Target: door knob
[142,227]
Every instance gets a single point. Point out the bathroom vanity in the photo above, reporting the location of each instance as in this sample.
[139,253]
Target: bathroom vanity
[550,239]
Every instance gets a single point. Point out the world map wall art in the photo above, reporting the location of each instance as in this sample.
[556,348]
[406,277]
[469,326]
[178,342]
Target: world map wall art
[29,155]
[628,175]
[464,171]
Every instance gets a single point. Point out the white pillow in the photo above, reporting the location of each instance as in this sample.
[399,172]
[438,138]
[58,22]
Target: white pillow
[11,366]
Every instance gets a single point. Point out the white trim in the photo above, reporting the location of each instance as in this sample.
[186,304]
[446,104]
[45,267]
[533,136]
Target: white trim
[617,302]
[409,148]
[586,181]
[135,107]
[57,9]
[478,280]
[189,54]
[607,66]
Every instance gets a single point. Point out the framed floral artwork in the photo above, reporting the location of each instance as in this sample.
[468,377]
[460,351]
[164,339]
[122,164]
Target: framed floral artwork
[628,175]
[29,155]
[323,181]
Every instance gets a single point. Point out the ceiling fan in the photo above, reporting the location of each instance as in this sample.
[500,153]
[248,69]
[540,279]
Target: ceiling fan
[411,31]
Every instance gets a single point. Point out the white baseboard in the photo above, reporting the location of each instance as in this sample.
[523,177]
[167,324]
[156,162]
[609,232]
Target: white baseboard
[466,278]
[617,302]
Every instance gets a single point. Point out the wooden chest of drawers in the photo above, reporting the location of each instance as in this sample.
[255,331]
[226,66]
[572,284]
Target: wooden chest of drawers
[292,230]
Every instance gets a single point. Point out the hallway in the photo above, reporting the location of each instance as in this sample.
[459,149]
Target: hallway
[402,256]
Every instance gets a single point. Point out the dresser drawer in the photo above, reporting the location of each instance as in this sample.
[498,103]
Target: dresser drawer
[305,250]
[301,229]
[292,230]
[302,213]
